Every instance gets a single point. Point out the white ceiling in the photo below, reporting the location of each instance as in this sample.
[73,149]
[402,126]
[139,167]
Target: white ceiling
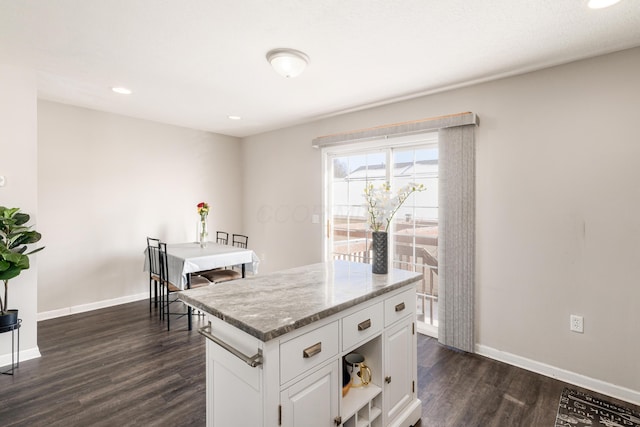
[195,62]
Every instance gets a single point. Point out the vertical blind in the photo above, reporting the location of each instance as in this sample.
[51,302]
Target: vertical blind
[456,234]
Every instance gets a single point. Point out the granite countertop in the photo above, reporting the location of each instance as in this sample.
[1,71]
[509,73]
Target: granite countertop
[267,306]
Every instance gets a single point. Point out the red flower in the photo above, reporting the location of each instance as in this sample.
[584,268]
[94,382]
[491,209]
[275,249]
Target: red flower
[203,209]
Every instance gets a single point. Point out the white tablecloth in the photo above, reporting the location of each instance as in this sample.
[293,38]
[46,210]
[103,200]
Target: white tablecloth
[185,258]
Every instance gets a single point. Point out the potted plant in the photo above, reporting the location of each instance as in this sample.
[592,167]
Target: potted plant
[381,206]
[15,235]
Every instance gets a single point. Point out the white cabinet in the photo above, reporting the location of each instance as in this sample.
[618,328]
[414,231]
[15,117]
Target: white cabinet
[362,325]
[297,380]
[399,360]
[313,401]
[391,399]
[301,354]
[399,306]
[235,390]
[363,407]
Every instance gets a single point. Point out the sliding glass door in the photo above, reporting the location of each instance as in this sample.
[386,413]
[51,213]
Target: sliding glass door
[414,230]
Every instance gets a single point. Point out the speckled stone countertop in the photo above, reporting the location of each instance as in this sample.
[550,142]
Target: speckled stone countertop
[267,306]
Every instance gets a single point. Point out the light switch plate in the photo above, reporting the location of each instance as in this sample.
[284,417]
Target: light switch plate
[2,181]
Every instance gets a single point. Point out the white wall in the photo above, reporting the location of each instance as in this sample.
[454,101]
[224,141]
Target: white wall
[106,182]
[558,211]
[18,164]
[282,191]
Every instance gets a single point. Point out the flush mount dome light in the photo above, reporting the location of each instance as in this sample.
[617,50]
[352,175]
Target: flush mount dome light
[287,62]
[601,4]
[121,90]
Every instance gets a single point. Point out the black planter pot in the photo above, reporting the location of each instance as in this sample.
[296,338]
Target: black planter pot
[9,320]
[380,252]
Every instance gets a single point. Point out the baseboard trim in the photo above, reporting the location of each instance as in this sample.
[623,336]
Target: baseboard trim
[428,330]
[91,306]
[579,380]
[410,416]
[28,354]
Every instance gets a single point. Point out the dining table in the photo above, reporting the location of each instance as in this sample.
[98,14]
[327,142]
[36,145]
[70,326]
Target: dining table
[189,258]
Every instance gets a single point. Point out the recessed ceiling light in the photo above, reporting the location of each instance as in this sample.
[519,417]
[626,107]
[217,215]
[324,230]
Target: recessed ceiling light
[601,4]
[121,90]
[234,117]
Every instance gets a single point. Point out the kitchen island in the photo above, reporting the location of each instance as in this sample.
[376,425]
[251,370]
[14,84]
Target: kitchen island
[276,346]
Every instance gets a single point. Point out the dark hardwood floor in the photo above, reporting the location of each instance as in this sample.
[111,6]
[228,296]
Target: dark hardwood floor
[120,367]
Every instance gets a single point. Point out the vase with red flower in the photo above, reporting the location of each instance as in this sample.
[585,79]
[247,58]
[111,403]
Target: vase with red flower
[203,233]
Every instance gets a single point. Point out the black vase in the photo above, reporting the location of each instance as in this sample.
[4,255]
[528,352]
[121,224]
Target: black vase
[380,252]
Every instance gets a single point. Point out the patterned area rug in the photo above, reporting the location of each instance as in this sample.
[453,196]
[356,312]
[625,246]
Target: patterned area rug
[577,409]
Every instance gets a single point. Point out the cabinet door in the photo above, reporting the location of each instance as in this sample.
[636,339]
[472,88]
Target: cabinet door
[399,348]
[313,401]
[234,390]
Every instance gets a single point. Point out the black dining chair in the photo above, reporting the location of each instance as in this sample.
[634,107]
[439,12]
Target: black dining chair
[154,271]
[167,288]
[240,240]
[220,275]
[222,237]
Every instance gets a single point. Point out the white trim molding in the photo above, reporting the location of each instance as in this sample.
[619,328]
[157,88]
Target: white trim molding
[618,392]
[28,354]
[91,306]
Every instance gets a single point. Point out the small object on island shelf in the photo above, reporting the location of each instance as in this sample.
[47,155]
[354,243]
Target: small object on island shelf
[359,372]
[346,379]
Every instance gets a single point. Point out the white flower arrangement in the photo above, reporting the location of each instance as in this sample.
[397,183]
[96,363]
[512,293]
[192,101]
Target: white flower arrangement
[382,205]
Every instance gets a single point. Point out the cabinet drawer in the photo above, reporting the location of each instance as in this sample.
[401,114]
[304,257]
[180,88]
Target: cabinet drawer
[399,306]
[308,350]
[361,325]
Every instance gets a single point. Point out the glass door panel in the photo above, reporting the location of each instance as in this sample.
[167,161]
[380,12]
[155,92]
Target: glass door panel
[348,222]
[414,229]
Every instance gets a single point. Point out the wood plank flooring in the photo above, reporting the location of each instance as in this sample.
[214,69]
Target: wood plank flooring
[120,367]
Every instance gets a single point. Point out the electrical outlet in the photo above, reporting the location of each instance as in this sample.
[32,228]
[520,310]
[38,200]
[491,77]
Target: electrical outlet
[576,323]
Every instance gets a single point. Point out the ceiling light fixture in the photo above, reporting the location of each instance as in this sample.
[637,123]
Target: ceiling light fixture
[121,90]
[234,117]
[601,4]
[287,62]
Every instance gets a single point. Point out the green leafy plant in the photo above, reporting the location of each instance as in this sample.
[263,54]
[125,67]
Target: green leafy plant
[15,235]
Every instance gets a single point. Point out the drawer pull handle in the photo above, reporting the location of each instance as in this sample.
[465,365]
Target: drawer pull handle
[312,351]
[364,325]
[400,307]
